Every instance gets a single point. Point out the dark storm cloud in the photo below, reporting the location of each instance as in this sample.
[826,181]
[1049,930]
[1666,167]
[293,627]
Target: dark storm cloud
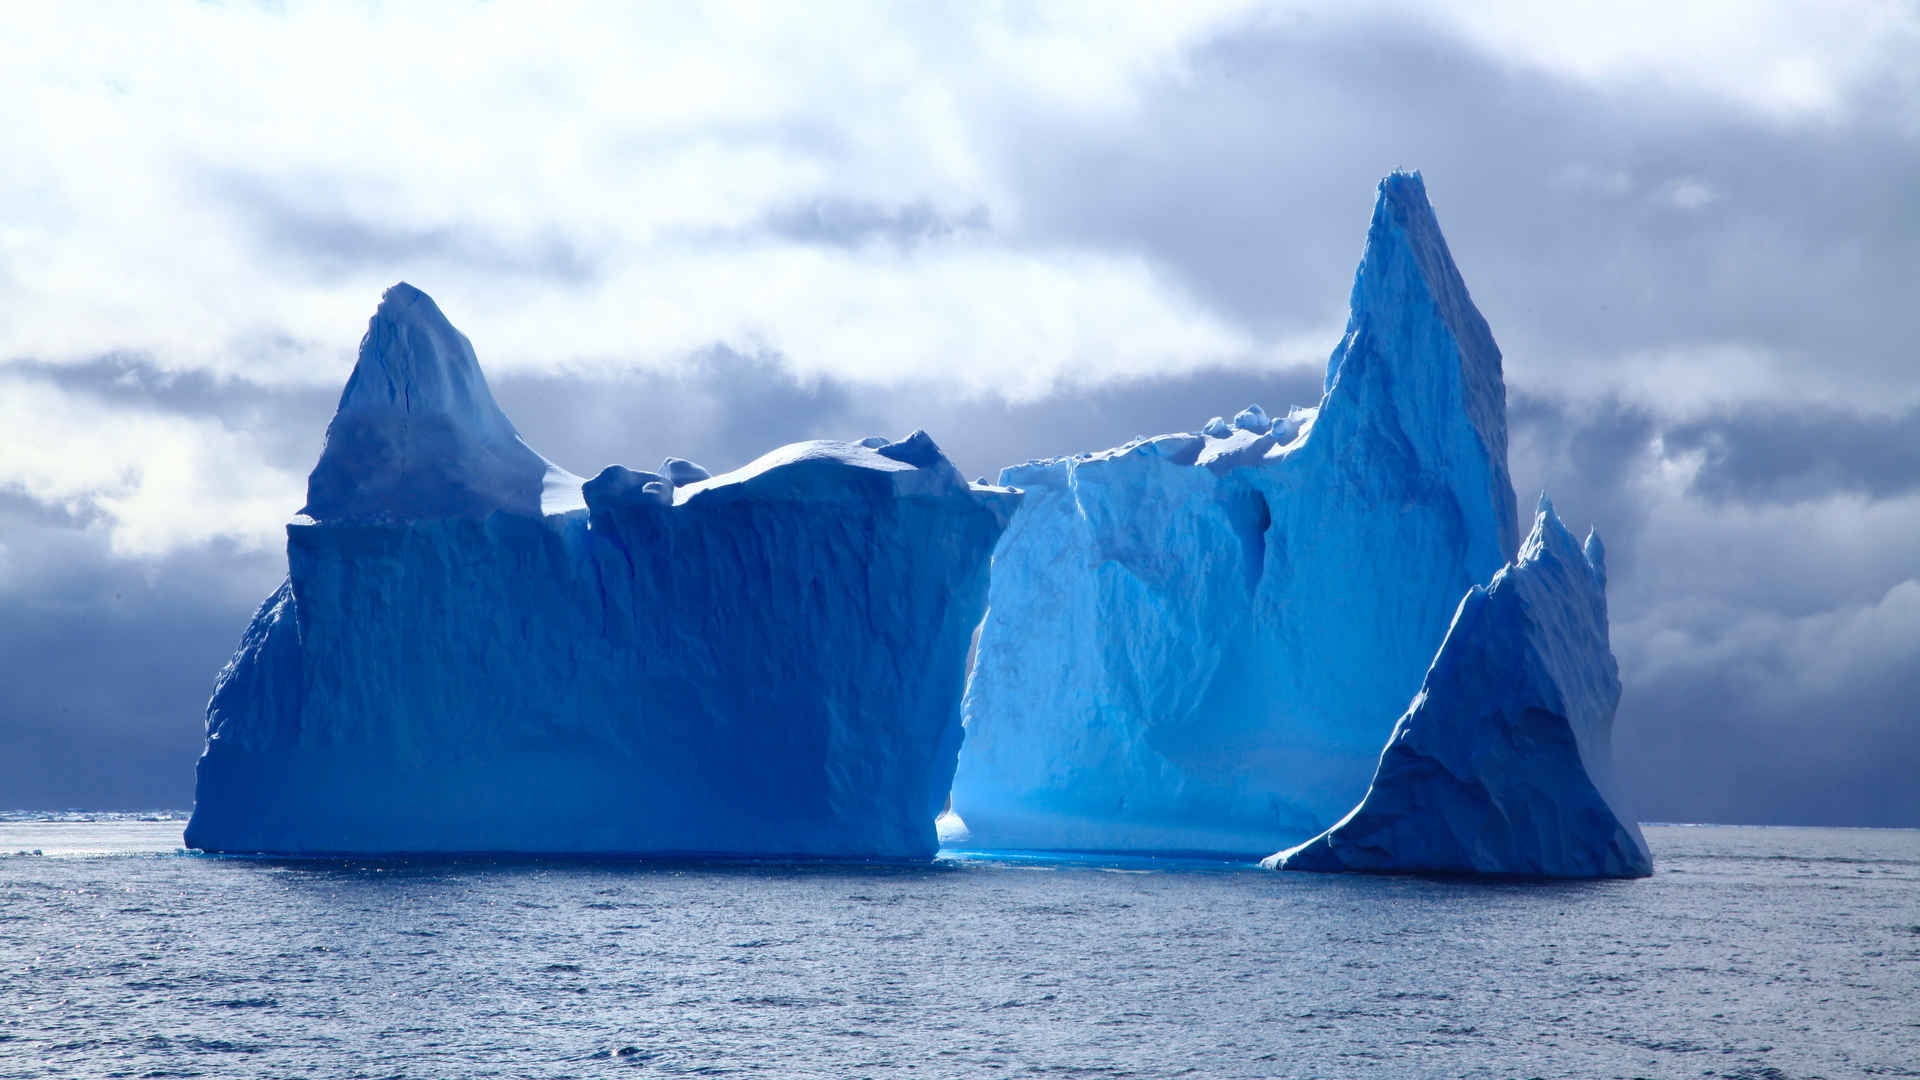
[1788,455]
[1721,720]
[1699,744]
[1564,205]
[299,222]
[110,661]
[287,424]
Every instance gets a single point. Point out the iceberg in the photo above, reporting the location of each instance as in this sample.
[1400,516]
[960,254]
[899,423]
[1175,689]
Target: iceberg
[1196,642]
[1502,765]
[476,651]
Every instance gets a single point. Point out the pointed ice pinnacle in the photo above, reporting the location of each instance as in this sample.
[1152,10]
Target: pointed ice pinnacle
[1410,303]
[1198,644]
[418,434]
[1502,764]
[1596,553]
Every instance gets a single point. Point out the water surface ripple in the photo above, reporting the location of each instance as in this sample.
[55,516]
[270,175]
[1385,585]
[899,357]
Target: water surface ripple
[1758,954]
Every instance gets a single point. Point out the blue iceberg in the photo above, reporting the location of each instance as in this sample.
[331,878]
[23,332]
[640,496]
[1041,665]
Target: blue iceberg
[1196,642]
[476,651]
[1502,765]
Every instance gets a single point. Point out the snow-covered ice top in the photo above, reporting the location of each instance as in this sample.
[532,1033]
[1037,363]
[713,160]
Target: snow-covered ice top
[819,469]
[418,434]
[1502,765]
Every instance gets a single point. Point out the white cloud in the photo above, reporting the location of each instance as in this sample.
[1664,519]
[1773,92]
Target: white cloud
[176,174]
[1689,194]
[587,187]
[1585,178]
[156,481]
[1789,62]
[154,148]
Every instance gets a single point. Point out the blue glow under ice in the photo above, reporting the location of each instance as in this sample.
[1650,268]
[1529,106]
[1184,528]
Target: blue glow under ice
[1199,642]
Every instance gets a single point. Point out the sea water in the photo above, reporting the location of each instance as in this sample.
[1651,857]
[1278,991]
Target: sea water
[1751,953]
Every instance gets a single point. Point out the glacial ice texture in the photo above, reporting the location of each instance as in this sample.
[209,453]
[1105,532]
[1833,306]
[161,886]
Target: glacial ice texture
[1197,642]
[1502,764]
[473,651]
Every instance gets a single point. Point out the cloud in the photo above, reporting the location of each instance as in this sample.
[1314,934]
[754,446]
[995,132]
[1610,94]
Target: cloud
[295,228]
[155,481]
[109,660]
[1789,455]
[235,200]
[1763,599]
[1058,197]
[1624,243]
[839,223]
[1785,62]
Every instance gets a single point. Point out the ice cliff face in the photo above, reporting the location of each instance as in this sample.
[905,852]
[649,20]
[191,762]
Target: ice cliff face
[1502,764]
[473,651]
[1195,642]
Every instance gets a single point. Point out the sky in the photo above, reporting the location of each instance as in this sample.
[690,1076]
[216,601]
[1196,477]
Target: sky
[1029,229]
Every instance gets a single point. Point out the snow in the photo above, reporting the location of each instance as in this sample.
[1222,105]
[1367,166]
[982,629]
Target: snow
[1198,642]
[1253,418]
[474,651]
[680,471]
[1502,764]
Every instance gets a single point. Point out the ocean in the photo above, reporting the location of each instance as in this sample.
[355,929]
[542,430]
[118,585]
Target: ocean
[1757,954]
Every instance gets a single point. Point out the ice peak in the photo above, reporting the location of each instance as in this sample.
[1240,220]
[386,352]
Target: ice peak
[412,359]
[1596,553]
[1415,336]
[418,433]
[1550,538]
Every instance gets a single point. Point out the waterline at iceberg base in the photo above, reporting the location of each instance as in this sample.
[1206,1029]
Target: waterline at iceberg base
[475,652]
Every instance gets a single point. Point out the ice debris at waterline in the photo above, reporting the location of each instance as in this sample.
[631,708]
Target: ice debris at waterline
[1503,762]
[1198,642]
[475,651]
